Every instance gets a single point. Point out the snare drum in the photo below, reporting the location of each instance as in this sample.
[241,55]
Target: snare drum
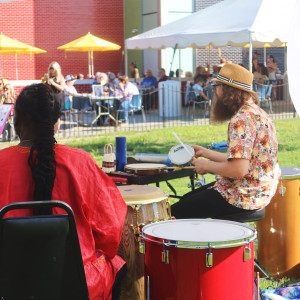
[279,231]
[145,169]
[199,259]
[145,204]
[179,156]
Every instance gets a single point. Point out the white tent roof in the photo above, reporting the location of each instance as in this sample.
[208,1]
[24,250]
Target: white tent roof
[229,22]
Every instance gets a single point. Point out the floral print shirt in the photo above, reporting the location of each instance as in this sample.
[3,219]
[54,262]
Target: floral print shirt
[252,136]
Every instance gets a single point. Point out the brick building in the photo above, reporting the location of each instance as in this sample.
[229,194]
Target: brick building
[49,24]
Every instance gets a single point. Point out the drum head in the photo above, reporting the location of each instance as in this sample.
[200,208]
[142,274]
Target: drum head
[199,233]
[179,156]
[145,166]
[290,172]
[141,194]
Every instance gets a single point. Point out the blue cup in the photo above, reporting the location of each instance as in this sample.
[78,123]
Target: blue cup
[121,158]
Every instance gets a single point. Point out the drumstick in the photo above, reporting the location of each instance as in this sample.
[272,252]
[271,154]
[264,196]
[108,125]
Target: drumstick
[184,146]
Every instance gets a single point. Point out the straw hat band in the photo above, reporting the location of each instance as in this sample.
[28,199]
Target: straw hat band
[229,80]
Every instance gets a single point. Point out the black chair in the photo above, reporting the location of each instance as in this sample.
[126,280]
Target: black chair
[40,256]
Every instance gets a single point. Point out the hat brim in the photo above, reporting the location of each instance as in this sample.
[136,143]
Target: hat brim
[233,85]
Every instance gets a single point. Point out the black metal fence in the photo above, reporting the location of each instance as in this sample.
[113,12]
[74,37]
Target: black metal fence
[167,106]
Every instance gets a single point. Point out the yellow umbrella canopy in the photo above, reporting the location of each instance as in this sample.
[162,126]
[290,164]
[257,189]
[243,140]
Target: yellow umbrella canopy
[28,50]
[7,43]
[89,43]
[9,46]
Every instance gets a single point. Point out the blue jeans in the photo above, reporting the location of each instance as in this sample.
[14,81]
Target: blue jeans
[124,108]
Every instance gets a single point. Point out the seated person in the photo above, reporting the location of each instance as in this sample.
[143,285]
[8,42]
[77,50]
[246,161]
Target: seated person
[127,90]
[247,176]
[162,75]
[149,80]
[66,174]
[150,93]
[111,84]
[70,91]
[198,89]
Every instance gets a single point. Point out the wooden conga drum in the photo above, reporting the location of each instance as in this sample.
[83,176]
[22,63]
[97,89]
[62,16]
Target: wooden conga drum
[279,231]
[145,204]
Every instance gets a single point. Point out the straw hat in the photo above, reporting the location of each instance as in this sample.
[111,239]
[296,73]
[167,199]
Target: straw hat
[236,76]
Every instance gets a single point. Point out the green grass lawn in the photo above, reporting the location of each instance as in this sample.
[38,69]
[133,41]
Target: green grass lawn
[162,140]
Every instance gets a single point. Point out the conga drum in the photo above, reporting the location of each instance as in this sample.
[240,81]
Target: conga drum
[199,259]
[145,204]
[279,231]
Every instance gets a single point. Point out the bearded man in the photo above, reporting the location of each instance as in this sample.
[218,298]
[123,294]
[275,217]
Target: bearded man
[247,175]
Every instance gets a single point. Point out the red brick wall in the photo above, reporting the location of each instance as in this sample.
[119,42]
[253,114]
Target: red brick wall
[50,24]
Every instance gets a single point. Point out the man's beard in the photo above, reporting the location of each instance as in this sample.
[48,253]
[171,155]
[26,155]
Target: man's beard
[220,111]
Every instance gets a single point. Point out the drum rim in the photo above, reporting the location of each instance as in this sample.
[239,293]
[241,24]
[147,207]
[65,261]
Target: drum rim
[200,245]
[289,176]
[182,164]
[148,201]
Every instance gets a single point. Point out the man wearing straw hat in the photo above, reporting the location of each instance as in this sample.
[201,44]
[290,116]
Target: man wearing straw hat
[247,175]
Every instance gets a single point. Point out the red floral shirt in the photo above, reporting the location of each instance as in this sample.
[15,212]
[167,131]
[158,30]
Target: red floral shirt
[252,136]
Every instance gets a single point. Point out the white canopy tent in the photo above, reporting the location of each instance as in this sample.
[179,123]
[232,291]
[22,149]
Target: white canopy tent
[230,22]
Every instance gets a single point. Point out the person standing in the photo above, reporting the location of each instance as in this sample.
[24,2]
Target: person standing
[247,175]
[56,81]
[134,71]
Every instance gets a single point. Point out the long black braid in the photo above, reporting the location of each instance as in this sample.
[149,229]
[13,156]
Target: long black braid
[38,108]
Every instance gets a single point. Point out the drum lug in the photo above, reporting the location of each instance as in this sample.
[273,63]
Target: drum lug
[165,257]
[142,247]
[247,253]
[209,258]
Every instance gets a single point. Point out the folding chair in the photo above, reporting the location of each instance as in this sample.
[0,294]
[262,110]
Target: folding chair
[40,255]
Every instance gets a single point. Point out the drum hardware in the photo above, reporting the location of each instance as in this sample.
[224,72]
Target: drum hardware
[247,252]
[142,247]
[209,257]
[281,189]
[148,288]
[165,255]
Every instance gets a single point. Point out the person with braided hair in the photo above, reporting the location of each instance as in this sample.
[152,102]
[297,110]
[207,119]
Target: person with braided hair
[40,169]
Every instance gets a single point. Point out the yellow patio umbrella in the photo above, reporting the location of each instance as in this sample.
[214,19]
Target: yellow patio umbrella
[9,46]
[89,43]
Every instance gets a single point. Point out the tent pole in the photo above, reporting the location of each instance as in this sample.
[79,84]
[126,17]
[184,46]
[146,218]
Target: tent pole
[250,52]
